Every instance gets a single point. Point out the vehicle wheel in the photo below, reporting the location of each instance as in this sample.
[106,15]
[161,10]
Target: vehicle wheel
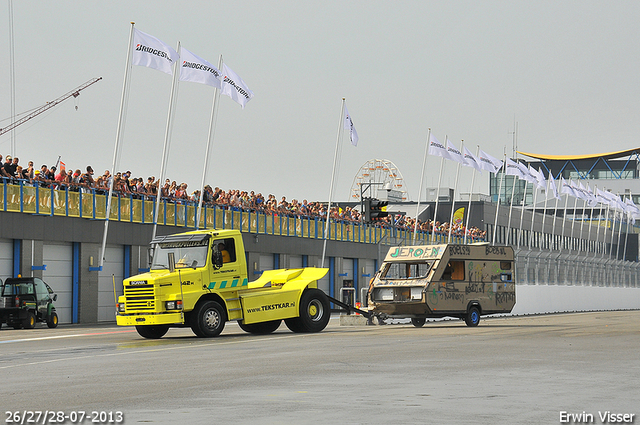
[418,322]
[314,310]
[473,317]
[29,322]
[52,322]
[152,331]
[208,319]
[263,328]
[294,324]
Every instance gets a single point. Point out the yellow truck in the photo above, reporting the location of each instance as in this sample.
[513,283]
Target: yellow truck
[448,280]
[199,279]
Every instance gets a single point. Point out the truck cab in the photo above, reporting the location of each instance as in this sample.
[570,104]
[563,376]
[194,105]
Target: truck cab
[26,301]
[199,279]
[448,280]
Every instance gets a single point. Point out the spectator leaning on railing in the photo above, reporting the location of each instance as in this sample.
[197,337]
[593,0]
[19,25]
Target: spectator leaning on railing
[233,199]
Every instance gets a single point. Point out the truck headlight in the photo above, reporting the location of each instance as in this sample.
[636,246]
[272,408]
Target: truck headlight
[120,307]
[173,305]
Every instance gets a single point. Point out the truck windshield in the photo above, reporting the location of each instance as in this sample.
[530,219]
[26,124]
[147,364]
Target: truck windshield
[187,254]
[408,270]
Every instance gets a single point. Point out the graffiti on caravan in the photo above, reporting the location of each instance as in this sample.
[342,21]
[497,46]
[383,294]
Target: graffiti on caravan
[412,252]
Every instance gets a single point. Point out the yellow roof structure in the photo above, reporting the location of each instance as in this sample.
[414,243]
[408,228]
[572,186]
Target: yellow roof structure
[610,155]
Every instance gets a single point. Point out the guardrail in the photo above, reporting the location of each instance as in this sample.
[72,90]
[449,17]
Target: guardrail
[23,197]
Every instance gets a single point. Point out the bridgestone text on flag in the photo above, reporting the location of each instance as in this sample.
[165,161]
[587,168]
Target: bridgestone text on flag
[234,87]
[150,52]
[197,70]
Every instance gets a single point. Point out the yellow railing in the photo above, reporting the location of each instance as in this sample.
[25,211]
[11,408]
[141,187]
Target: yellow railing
[24,198]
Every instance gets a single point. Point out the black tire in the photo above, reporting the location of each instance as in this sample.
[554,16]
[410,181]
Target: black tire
[314,310]
[294,324]
[208,319]
[29,322]
[52,321]
[152,331]
[418,322]
[473,317]
[263,328]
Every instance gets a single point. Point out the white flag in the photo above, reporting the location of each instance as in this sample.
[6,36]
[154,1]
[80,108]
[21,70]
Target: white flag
[541,182]
[454,153]
[348,125]
[471,160]
[567,188]
[234,87]
[514,170]
[150,52]
[436,148]
[197,70]
[553,186]
[489,163]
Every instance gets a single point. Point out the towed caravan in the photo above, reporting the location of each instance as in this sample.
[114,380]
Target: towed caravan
[448,280]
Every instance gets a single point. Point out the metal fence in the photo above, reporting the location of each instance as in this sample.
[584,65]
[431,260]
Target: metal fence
[539,267]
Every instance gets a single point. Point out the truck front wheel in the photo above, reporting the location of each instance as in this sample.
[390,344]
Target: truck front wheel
[152,331]
[314,310]
[208,319]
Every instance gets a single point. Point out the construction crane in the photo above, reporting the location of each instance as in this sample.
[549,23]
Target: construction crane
[73,93]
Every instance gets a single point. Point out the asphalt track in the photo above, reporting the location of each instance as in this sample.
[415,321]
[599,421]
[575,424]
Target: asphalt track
[512,370]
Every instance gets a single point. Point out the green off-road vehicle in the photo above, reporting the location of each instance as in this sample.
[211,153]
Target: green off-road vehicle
[26,301]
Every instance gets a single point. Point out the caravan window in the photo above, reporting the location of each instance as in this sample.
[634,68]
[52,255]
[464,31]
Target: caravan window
[413,270]
[454,271]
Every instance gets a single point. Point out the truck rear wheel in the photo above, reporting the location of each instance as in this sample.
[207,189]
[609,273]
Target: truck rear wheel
[418,322]
[263,328]
[29,322]
[473,317]
[52,321]
[208,319]
[152,331]
[314,311]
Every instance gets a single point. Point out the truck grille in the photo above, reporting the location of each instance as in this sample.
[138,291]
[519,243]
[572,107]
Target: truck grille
[139,298]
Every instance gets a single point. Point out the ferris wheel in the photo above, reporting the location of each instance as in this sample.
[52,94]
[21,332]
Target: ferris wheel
[384,174]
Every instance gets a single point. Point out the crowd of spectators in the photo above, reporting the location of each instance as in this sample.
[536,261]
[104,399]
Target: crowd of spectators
[138,188]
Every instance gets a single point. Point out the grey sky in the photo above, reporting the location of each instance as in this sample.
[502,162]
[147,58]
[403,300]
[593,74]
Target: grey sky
[565,71]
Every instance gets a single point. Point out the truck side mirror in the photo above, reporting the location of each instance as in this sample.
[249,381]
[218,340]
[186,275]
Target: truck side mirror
[171,258]
[55,297]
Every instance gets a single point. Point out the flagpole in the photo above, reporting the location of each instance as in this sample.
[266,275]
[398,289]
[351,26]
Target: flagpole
[590,226]
[167,143]
[495,226]
[212,131]
[453,199]
[619,232]
[435,212]
[573,222]
[513,189]
[598,230]
[473,180]
[333,172]
[604,232]
[544,215]
[119,131]
[424,163]
[564,220]
[533,213]
[522,212]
